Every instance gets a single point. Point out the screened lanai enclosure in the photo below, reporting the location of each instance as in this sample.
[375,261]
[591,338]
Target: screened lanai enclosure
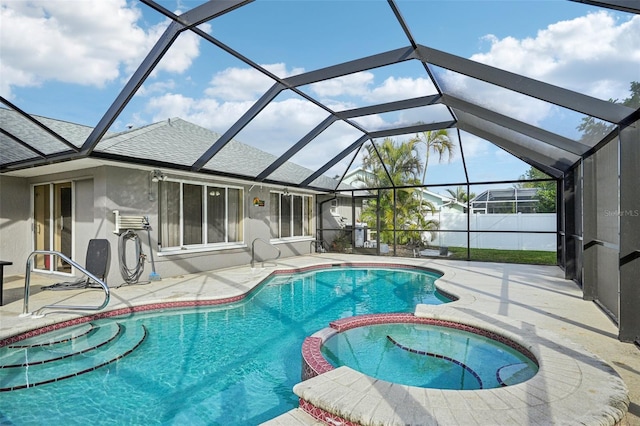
[387,122]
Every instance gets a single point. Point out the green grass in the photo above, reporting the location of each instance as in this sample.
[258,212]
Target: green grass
[532,257]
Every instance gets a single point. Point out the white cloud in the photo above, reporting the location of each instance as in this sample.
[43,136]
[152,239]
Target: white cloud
[156,87]
[14,77]
[282,124]
[74,42]
[349,85]
[511,104]
[242,84]
[204,112]
[362,86]
[371,122]
[393,89]
[171,105]
[473,146]
[322,149]
[594,54]
[80,42]
[182,52]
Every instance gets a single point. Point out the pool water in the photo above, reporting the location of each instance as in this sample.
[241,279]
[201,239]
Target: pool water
[227,365]
[429,356]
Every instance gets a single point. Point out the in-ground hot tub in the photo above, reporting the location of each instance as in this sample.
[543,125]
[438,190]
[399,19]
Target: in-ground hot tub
[442,355]
[423,352]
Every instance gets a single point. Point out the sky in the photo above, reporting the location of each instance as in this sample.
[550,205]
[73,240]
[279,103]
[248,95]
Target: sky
[69,59]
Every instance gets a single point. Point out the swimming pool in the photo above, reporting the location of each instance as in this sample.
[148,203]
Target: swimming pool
[232,364]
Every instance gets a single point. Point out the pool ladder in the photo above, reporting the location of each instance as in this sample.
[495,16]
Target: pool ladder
[253,251]
[27,283]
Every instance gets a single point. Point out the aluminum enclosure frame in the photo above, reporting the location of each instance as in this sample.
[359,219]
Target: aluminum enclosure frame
[570,162]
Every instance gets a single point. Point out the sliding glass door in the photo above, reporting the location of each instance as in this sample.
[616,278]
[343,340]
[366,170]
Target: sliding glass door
[52,224]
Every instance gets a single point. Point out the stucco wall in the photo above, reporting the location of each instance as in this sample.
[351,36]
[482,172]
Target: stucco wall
[15,224]
[131,192]
[84,228]
[101,190]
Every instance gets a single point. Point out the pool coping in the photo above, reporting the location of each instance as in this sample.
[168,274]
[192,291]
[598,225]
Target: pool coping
[572,386]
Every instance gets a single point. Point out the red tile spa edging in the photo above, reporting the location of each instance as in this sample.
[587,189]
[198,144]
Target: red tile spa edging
[323,415]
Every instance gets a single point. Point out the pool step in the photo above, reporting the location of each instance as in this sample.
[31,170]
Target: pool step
[57,356]
[54,337]
[52,348]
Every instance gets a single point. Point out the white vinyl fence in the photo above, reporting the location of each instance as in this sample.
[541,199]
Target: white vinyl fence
[520,222]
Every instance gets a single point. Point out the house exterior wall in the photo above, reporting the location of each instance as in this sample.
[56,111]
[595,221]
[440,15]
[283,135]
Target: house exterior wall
[16,237]
[15,223]
[85,227]
[331,223]
[342,210]
[98,191]
[141,198]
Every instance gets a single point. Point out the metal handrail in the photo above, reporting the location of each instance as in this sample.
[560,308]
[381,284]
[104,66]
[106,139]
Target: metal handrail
[253,251]
[27,282]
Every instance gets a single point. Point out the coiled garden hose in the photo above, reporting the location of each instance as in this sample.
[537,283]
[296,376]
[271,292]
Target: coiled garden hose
[130,275]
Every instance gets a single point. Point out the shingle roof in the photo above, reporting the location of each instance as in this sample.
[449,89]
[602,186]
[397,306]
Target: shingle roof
[174,141]
[46,143]
[180,142]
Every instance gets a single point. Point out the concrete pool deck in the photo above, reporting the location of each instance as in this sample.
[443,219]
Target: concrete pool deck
[537,295]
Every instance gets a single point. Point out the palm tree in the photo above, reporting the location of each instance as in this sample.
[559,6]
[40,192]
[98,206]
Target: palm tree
[400,160]
[438,142]
[397,165]
[460,194]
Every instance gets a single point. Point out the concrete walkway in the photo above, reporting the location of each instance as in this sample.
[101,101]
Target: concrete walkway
[537,295]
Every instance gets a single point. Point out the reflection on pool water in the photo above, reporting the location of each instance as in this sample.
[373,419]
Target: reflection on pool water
[232,364]
[429,356]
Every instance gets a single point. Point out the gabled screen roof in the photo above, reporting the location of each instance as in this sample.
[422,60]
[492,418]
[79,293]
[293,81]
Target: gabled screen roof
[289,92]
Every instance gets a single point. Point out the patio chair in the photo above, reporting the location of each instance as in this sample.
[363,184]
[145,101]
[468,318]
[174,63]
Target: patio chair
[96,262]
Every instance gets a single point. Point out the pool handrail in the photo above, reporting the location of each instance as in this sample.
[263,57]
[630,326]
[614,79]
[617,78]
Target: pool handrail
[253,251]
[27,283]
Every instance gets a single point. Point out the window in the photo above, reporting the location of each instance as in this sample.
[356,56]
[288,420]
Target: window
[334,206]
[290,215]
[199,215]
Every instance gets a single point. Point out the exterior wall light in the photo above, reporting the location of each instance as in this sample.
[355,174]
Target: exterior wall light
[157,176]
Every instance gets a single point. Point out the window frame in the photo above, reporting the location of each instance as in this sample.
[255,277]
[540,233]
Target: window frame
[205,245]
[305,220]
